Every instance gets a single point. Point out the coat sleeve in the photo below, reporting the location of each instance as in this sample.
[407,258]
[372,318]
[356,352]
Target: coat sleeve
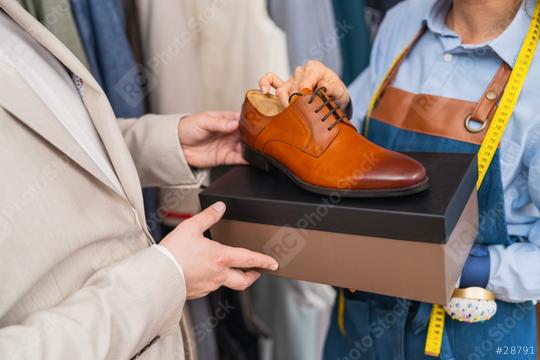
[155,147]
[114,315]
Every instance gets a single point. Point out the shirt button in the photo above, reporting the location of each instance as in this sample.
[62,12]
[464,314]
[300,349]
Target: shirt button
[448,57]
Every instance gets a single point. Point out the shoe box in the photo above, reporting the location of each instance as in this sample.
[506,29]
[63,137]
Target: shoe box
[411,247]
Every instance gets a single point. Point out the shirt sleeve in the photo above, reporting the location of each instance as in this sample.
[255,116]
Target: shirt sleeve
[360,92]
[515,269]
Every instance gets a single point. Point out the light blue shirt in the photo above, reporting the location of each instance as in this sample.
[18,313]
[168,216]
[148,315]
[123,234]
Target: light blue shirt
[441,65]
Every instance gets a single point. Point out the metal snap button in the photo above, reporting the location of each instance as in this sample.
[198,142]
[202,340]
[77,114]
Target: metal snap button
[491,95]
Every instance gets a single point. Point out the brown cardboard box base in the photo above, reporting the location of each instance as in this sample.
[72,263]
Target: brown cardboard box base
[419,271]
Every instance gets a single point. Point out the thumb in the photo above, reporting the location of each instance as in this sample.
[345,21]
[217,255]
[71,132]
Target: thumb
[209,216]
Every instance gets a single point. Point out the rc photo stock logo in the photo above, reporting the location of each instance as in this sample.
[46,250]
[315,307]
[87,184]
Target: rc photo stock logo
[284,245]
[136,84]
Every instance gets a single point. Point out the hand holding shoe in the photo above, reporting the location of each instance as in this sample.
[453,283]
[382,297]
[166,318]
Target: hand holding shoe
[211,139]
[207,265]
[313,74]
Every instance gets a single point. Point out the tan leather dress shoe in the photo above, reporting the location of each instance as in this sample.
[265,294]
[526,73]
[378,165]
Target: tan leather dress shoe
[314,143]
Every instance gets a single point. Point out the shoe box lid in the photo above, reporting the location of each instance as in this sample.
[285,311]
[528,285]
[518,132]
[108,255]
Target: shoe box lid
[430,216]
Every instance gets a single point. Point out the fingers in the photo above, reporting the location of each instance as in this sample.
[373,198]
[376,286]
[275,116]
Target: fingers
[224,114]
[219,121]
[240,280]
[230,115]
[208,217]
[234,157]
[283,89]
[296,78]
[283,92]
[246,259]
[339,93]
[312,74]
[268,81]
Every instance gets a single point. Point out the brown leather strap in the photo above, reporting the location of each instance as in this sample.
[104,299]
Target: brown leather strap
[416,112]
[490,98]
[393,72]
[487,104]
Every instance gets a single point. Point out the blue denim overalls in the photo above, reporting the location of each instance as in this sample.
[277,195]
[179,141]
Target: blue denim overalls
[387,328]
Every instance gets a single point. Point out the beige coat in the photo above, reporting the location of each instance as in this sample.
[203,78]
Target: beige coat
[77,277]
[205,54]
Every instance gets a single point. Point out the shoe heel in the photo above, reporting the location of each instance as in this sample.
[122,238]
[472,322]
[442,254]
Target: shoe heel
[255,158]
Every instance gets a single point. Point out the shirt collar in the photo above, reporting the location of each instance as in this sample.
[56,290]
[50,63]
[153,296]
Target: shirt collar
[506,45]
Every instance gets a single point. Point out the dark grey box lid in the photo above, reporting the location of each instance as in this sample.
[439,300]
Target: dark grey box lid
[430,216]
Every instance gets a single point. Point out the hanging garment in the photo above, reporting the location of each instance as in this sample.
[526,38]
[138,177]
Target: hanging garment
[169,39]
[375,10]
[236,339]
[202,329]
[311,31]
[355,37]
[382,5]
[237,44]
[133,30]
[102,27]
[399,123]
[297,313]
[57,17]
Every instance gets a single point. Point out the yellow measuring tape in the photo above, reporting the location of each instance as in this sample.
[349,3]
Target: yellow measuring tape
[510,97]
[377,92]
[435,331]
[486,153]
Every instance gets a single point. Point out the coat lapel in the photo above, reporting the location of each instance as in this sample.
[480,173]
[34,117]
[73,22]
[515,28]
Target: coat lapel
[15,97]
[94,99]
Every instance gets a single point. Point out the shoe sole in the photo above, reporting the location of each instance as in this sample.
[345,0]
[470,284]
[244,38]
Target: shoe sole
[266,163]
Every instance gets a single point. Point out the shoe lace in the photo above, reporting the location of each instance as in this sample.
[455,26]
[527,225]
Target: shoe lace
[327,101]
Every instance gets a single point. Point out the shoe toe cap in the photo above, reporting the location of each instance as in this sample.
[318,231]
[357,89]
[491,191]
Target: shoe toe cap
[394,171]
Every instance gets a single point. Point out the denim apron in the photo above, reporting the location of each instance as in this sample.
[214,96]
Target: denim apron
[382,327]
